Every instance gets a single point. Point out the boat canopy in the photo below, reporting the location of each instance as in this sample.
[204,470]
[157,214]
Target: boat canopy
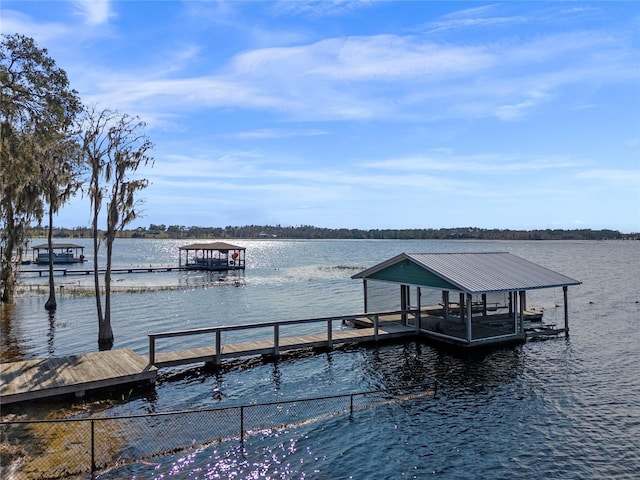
[472,273]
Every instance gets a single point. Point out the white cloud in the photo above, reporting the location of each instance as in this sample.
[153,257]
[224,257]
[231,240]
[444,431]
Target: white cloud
[274,133]
[43,32]
[359,78]
[488,164]
[618,178]
[95,12]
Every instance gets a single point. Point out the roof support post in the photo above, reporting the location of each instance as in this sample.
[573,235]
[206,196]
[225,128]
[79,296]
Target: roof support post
[404,302]
[364,286]
[521,311]
[513,311]
[566,310]
[469,314]
[445,301]
[418,319]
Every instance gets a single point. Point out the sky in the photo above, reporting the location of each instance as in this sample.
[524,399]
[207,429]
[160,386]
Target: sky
[363,114]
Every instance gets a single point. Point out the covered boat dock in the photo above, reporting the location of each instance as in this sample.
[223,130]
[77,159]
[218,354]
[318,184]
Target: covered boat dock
[464,316]
[62,253]
[216,256]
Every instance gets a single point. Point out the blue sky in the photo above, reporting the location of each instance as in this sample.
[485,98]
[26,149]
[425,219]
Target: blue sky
[364,114]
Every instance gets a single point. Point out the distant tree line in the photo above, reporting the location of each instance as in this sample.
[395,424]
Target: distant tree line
[311,232]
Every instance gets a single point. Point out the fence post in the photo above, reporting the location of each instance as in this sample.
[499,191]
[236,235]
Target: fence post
[242,424]
[351,407]
[329,334]
[93,450]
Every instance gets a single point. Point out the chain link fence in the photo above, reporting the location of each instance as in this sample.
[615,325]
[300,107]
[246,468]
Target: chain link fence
[68,448]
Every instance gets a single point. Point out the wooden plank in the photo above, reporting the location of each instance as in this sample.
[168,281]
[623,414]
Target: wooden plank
[32,379]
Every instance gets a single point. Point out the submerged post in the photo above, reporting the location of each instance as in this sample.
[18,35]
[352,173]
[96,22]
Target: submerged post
[152,349]
[375,327]
[566,310]
[218,347]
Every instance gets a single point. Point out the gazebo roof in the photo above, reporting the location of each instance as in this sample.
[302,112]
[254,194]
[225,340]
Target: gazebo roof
[466,272]
[212,246]
[56,245]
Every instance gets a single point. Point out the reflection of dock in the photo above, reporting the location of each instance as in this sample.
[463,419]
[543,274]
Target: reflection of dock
[46,378]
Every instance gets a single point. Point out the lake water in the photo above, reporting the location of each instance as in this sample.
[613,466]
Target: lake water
[560,408]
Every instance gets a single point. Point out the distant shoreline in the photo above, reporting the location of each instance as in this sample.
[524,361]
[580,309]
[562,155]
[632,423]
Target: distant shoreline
[316,233]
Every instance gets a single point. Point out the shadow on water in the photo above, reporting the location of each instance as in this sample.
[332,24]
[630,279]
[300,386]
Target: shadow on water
[51,333]
[416,363]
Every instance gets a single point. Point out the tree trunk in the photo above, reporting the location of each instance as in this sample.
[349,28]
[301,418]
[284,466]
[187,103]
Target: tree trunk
[51,301]
[96,278]
[7,279]
[105,334]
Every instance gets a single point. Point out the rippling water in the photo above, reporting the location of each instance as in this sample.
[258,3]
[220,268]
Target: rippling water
[559,408]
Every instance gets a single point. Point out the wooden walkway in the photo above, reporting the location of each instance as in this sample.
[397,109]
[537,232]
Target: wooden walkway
[45,378]
[89,271]
[387,331]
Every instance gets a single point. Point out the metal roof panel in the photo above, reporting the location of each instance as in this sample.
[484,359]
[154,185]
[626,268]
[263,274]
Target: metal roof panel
[481,272]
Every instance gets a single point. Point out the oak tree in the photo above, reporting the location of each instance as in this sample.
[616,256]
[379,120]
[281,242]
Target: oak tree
[37,109]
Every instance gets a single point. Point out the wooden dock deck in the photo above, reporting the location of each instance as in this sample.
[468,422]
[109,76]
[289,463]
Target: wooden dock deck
[45,378]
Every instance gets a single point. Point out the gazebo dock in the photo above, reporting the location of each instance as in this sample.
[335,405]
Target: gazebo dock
[62,253]
[464,316]
[217,256]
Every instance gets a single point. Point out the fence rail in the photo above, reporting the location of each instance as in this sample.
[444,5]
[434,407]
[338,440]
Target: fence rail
[71,447]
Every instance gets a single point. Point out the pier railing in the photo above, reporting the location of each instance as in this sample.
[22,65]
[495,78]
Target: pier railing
[277,343]
[139,445]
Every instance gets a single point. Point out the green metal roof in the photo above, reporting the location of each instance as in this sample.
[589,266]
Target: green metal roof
[466,272]
[410,273]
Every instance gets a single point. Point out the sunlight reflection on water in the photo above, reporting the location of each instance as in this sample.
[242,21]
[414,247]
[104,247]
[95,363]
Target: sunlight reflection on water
[562,408]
